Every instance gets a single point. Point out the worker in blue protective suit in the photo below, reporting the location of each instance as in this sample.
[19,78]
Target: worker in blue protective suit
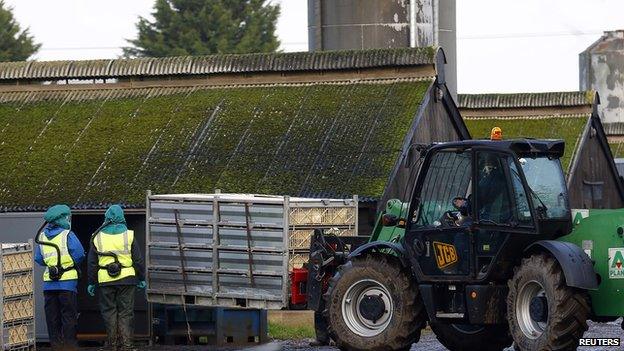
[115,264]
[60,278]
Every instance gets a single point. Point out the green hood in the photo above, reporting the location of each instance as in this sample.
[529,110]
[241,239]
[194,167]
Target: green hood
[58,215]
[114,220]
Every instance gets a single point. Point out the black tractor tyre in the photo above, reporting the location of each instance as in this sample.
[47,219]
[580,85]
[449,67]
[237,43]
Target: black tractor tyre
[458,337]
[399,330]
[556,318]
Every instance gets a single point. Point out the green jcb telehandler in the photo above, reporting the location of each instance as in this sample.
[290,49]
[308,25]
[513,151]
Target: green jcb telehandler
[487,251]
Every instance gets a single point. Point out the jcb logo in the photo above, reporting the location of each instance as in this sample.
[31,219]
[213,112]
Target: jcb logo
[446,254]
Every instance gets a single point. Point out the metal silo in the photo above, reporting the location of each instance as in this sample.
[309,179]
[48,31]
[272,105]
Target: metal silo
[602,69]
[366,24]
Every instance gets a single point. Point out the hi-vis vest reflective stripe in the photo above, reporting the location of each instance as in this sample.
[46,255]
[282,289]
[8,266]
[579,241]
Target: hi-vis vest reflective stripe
[120,244]
[49,255]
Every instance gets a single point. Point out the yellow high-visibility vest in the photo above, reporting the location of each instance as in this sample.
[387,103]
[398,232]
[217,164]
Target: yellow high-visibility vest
[50,256]
[119,244]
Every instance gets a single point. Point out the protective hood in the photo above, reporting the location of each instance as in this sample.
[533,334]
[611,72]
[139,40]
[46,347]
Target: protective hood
[58,216]
[114,220]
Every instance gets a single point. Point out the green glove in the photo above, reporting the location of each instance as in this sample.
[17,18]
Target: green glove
[142,284]
[91,290]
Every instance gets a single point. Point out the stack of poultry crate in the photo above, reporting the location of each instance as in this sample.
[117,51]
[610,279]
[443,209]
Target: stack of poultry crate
[16,295]
[310,214]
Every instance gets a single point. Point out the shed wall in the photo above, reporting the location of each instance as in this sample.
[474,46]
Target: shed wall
[434,125]
[591,183]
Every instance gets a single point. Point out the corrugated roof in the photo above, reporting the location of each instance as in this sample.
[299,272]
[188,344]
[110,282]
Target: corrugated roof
[567,127]
[614,128]
[196,65]
[482,101]
[91,148]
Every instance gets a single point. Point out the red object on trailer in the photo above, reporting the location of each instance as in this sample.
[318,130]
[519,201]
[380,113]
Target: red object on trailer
[298,286]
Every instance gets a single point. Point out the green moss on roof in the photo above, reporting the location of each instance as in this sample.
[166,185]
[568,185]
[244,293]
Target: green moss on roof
[313,140]
[569,129]
[617,149]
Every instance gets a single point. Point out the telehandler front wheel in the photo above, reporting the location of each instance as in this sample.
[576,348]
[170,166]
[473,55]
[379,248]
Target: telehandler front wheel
[373,304]
[542,311]
[467,337]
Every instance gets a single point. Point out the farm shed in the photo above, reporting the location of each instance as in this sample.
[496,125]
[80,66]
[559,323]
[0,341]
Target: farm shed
[591,174]
[323,124]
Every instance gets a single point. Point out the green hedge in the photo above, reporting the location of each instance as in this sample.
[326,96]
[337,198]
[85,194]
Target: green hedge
[325,140]
[570,129]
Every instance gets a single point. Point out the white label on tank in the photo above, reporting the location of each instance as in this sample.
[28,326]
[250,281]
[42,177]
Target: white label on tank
[616,263]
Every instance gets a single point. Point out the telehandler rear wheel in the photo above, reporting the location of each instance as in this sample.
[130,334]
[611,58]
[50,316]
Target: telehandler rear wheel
[542,311]
[467,337]
[373,304]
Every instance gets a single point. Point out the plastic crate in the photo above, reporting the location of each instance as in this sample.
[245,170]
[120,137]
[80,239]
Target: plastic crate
[322,216]
[24,347]
[16,257]
[297,260]
[18,309]
[18,335]
[17,285]
[299,239]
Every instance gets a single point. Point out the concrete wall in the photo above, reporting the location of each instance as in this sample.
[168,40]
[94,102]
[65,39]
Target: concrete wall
[601,68]
[19,227]
[366,24]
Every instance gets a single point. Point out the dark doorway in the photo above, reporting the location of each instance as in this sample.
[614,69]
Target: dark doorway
[90,323]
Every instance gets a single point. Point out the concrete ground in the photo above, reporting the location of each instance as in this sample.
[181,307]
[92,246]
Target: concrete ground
[428,342]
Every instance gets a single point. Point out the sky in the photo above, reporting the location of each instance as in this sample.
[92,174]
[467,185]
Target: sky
[502,45]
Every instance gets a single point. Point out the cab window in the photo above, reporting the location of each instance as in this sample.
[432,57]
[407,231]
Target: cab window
[502,198]
[448,178]
[493,200]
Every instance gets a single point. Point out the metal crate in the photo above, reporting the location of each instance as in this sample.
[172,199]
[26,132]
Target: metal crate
[17,303]
[233,249]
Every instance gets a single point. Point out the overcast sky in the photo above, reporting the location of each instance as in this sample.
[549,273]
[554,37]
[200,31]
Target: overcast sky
[503,45]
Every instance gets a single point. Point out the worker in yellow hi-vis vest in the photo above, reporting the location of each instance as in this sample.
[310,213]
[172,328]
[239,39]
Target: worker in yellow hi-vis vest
[59,250]
[115,264]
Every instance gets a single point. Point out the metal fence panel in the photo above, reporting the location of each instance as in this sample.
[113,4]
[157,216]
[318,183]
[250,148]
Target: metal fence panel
[233,250]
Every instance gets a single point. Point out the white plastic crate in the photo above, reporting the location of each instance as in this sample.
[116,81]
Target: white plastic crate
[17,307]
[18,336]
[16,257]
[17,284]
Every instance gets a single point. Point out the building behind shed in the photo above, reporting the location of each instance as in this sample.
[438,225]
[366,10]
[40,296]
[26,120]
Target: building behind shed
[592,177]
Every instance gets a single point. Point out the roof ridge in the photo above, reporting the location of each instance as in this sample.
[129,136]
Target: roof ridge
[563,115]
[537,99]
[214,64]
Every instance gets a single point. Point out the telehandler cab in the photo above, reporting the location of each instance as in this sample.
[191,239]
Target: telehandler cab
[487,251]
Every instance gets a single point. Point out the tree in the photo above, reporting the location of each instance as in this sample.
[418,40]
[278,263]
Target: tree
[201,27]
[15,44]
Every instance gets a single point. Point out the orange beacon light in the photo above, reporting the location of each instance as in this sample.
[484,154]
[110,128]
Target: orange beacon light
[496,134]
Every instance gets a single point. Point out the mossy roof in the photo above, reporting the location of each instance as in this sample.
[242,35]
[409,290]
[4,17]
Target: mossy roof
[91,148]
[617,149]
[569,128]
